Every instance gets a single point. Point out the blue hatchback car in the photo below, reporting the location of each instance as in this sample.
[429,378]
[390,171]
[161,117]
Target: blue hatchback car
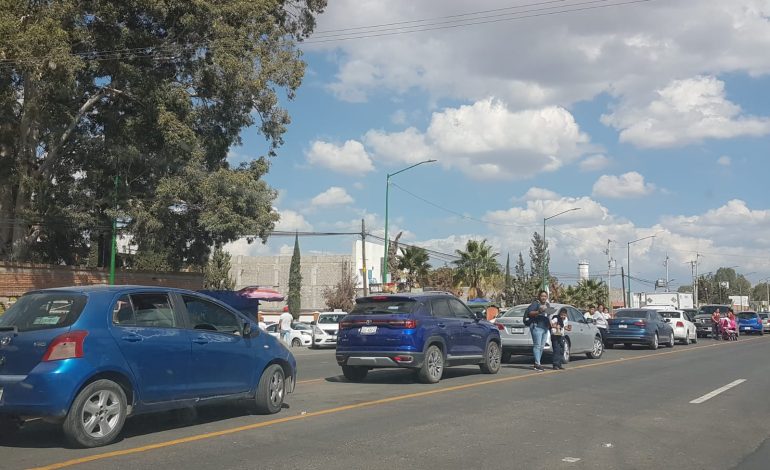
[425,332]
[89,357]
[750,322]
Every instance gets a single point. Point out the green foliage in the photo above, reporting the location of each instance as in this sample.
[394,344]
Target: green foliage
[584,294]
[539,258]
[342,295]
[476,264]
[441,279]
[161,110]
[508,296]
[712,290]
[217,274]
[294,299]
[414,263]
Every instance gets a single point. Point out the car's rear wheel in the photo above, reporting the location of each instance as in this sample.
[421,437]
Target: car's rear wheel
[491,364]
[355,373]
[506,357]
[296,342]
[597,350]
[433,367]
[655,343]
[695,339]
[97,414]
[627,345]
[671,340]
[9,425]
[271,390]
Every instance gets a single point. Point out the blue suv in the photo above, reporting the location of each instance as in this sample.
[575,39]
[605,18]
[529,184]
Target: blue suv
[425,332]
[89,357]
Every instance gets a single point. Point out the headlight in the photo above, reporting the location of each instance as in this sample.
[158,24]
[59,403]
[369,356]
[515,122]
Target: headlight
[317,330]
[304,333]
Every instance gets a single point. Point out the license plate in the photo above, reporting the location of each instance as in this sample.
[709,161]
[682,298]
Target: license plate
[622,326]
[368,330]
[516,331]
[746,327]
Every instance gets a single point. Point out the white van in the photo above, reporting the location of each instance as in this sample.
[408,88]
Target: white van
[325,329]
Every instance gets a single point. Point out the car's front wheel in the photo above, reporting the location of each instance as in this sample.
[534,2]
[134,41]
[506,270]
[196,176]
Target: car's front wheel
[296,342]
[9,425]
[491,364]
[97,415]
[598,349]
[433,366]
[355,373]
[271,390]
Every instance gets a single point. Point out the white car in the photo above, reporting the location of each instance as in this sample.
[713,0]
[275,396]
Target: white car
[684,329]
[301,334]
[325,329]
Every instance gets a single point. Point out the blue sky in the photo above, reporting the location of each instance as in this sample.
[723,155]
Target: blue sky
[652,118]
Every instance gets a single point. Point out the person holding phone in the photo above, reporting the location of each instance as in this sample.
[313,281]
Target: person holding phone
[536,318]
[559,324]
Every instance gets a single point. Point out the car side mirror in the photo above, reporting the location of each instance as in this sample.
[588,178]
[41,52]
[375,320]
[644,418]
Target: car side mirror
[478,316]
[312,322]
[248,331]
[667,320]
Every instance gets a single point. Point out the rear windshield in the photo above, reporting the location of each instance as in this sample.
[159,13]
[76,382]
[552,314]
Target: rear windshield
[747,315]
[330,319]
[631,314]
[515,311]
[43,311]
[670,314]
[710,309]
[384,307]
[762,315]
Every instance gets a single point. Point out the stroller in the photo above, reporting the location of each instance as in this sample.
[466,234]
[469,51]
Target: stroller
[728,332]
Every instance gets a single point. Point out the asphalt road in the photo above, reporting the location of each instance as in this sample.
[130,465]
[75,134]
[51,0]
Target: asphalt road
[631,409]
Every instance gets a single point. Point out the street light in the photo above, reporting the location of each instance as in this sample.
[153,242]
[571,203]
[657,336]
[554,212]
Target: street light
[628,250]
[387,194]
[544,220]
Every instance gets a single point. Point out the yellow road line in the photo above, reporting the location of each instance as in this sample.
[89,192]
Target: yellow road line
[366,404]
[309,381]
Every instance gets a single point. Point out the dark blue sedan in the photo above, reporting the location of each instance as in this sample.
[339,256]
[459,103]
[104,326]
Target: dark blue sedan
[750,322]
[639,326]
[89,357]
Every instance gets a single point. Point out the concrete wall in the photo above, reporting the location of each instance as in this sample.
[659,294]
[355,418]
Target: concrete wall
[318,273]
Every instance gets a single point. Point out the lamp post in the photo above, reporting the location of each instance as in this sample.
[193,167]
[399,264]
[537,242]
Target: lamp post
[387,194]
[545,284]
[628,252]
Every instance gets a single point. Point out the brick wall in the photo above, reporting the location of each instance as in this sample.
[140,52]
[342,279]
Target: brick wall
[18,278]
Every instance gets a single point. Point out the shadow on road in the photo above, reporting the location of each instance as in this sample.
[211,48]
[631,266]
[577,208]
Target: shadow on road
[407,376]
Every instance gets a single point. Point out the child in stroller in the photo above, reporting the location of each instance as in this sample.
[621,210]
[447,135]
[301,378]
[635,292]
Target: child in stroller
[729,329]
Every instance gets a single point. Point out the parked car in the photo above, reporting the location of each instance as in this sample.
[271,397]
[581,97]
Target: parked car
[684,330]
[639,326]
[703,323]
[749,322]
[88,357]
[325,329]
[301,334]
[582,335]
[425,332]
[765,317]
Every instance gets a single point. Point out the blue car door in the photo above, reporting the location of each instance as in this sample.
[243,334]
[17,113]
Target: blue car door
[148,332]
[472,334]
[224,362]
[447,327]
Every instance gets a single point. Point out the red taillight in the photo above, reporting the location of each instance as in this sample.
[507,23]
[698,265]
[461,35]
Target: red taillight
[403,359]
[379,297]
[345,324]
[500,327]
[680,324]
[66,346]
[408,324]
[640,323]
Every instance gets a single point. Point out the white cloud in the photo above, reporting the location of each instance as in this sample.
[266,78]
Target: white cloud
[724,160]
[627,185]
[684,112]
[334,196]
[486,140]
[398,117]
[540,193]
[594,163]
[349,158]
[292,221]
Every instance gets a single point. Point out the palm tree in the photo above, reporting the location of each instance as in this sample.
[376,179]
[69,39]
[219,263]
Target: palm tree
[475,265]
[586,293]
[414,263]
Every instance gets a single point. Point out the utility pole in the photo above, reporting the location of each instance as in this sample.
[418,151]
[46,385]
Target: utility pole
[695,285]
[667,258]
[363,257]
[114,245]
[623,282]
[609,274]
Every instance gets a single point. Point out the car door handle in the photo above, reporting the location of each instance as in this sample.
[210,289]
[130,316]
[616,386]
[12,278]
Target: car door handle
[132,339]
[200,340]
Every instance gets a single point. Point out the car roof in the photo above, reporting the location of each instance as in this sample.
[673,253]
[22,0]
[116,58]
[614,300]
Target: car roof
[103,289]
[406,295]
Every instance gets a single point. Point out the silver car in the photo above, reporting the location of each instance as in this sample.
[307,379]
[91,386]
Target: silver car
[582,335]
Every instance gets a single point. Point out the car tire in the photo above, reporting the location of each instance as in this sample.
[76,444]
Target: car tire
[491,364]
[695,340]
[432,367]
[655,342]
[271,390]
[627,345]
[9,425]
[296,342]
[97,414]
[671,340]
[597,350]
[609,346]
[355,373]
[505,358]
[762,332]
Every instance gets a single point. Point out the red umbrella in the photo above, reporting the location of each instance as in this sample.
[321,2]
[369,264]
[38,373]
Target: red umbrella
[260,293]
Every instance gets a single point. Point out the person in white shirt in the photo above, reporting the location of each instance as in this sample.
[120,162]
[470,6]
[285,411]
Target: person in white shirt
[284,326]
[600,319]
[590,313]
[559,325]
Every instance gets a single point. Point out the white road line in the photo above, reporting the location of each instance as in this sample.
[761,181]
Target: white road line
[716,392]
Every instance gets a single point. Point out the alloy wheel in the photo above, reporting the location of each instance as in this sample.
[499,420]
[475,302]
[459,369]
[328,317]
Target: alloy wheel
[101,413]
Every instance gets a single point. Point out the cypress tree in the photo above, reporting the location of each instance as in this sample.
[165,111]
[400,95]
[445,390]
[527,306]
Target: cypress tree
[295,281]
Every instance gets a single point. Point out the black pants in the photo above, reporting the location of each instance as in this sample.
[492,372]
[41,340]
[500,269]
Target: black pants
[557,343]
[603,332]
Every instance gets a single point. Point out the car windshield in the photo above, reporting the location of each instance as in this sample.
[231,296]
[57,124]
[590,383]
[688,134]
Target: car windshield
[514,311]
[670,314]
[301,326]
[384,306]
[44,310]
[747,315]
[710,309]
[631,314]
[762,315]
[330,319]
